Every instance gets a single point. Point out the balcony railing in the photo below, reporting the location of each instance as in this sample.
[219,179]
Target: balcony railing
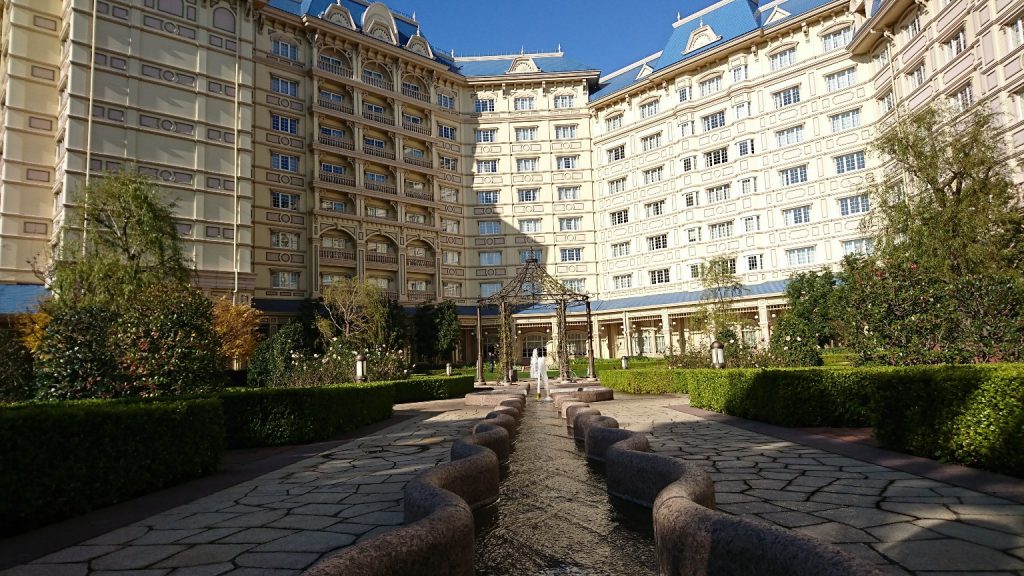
[421,262]
[417,94]
[378,258]
[378,152]
[330,254]
[336,207]
[419,194]
[418,161]
[420,295]
[336,142]
[385,188]
[379,118]
[391,294]
[335,69]
[332,105]
[378,83]
[418,128]
[333,178]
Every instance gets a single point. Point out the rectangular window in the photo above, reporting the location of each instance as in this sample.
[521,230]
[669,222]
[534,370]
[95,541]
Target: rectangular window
[526,165]
[800,256]
[486,105]
[716,157]
[373,142]
[449,195]
[851,205]
[689,163]
[659,276]
[783,59]
[963,98]
[523,103]
[917,76]
[650,142]
[566,162]
[621,249]
[659,242]
[286,240]
[449,226]
[284,86]
[649,109]
[568,224]
[913,28]
[858,246]
[565,101]
[755,262]
[373,108]
[713,121]
[653,175]
[745,147]
[741,110]
[849,162]
[528,194]
[284,124]
[285,50]
[449,257]
[691,199]
[568,192]
[490,258]
[565,132]
[687,128]
[695,271]
[739,73]
[786,97]
[725,266]
[752,223]
[838,39]
[795,175]
[748,185]
[284,162]
[710,86]
[530,254]
[694,235]
[575,284]
[446,132]
[489,289]
[411,119]
[375,177]
[284,201]
[489,227]
[839,80]
[449,163]
[329,168]
[487,197]
[1015,33]
[616,153]
[796,216]
[485,135]
[487,166]
[789,136]
[619,217]
[652,209]
[718,193]
[526,134]
[622,282]
[529,226]
[720,230]
[570,254]
[617,185]
[845,120]
[887,103]
[684,93]
[451,289]
[613,123]
[445,101]
[956,44]
[284,280]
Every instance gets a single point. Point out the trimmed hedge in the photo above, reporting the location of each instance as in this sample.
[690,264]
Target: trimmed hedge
[66,458]
[271,416]
[424,388]
[646,381]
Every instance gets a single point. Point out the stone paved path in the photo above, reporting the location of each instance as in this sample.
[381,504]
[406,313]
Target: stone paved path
[902,522]
[279,523]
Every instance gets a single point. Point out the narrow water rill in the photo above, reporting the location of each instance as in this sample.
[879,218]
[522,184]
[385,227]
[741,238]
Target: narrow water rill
[554,515]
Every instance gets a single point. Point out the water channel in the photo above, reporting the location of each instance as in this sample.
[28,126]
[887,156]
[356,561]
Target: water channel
[554,515]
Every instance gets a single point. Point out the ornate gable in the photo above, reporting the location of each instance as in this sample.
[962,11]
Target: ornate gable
[644,71]
[522,65]
[338,14]
[419,45]
[379,23]
[776,15]
[701,37]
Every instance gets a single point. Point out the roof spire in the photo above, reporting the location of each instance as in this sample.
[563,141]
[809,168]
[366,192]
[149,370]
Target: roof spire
[679,16]
[559,48]
[522,49]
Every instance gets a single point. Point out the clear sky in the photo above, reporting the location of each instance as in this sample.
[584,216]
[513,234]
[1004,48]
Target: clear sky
[604,34]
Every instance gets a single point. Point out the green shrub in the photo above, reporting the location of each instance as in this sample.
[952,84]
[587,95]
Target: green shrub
[16,379]
[270,416]
[421,389]
[76,359]
[645,381]
[269,363]
[66,458]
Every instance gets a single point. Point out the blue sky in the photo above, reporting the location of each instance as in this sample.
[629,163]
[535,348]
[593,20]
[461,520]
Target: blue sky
[601,33]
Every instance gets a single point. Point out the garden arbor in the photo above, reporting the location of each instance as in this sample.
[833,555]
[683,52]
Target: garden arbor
[531,285]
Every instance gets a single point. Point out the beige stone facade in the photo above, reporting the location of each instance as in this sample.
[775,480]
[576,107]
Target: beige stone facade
[303,148]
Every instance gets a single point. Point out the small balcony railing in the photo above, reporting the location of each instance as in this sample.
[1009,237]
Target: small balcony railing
[420,295]
[417,94]
[329,255]
[378,83]
[332,105]
[420,262]
[378,258]
[378,117]
[333,178]
[418,161]
[385,188]
[336,142]
[391,294]
[418,128]
[419,194]
[335,69]
[378,152]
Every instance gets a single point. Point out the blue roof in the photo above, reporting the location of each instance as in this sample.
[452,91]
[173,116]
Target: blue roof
[617,82]
[18,298]
[499,66]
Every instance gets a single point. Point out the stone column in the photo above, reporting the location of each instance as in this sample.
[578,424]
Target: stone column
[591,373]
[762,321]
[479,347]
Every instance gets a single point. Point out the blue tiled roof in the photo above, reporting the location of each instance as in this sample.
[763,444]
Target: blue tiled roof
[18,298]
[617,82]
[499,66]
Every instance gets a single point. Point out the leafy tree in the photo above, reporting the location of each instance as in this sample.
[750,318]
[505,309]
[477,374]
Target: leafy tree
[237,325]
[16,381]
[720,286]
[360,313]
[77,358]
[31,328]
[273,357]
[424,332]
[446,320]
[793,342]
[957,211]
[811,314]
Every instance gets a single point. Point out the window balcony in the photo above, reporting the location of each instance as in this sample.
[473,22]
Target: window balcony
[420,295]
[418,128]
[335,69]
[336,257]
[381,258]
[421,194]
[378,83]
[336,142]
[418,161]
[420,262]
[379,118]
[335,207]
[332,105]
[417,94]
[378,152]
[377,187]
[391,294]
[334,178]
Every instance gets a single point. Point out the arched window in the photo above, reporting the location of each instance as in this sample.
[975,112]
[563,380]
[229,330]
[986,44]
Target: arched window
[224,19]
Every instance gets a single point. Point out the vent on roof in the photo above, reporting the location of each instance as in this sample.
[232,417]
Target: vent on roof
[644,71]
[776,15]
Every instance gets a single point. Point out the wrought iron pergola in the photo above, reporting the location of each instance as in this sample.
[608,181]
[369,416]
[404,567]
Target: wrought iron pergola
[531,285]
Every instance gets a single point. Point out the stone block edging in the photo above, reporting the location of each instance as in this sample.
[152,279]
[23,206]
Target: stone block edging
[438,536]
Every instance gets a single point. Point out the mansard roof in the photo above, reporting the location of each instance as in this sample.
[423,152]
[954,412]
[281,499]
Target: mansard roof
[550,62]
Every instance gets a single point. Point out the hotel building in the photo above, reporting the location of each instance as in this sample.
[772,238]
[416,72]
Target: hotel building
[305,141]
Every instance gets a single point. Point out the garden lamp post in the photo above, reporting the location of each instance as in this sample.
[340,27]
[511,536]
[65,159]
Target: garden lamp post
[625,362]
[360,367]
[448,369]
[717,354]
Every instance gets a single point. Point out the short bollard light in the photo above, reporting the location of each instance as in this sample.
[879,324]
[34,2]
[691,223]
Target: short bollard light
[360,367]
[717,354]
[448,369]
[625,362]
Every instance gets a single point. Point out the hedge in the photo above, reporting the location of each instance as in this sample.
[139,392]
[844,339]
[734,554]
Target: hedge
[66,458]
[645,381]
[271,416]
[423,388]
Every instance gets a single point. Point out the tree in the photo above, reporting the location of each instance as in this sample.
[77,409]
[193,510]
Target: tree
[359,312]
[272,358]
[956,210]
[424,332]
[238,326]
[811,313]
[120,240]
[720,286]
[16,381]
[447,328]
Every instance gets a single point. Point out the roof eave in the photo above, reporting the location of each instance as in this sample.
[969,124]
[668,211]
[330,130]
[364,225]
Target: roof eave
[592,75]
[879,23]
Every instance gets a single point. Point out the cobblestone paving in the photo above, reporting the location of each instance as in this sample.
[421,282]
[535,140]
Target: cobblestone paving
[904,523]
[277,524]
